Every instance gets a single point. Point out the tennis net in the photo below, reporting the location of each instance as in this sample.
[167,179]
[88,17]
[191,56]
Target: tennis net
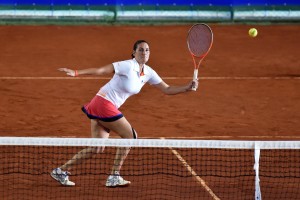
[157,169]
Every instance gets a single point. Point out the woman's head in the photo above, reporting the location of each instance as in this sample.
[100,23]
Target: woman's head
[141,51]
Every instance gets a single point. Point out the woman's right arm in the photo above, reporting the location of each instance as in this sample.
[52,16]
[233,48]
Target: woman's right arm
[105,70]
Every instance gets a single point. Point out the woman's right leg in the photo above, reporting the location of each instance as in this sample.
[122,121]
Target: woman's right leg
[97,131]
[61,173]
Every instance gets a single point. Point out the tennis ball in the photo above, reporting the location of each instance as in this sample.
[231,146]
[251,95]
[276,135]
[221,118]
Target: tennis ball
[252,32]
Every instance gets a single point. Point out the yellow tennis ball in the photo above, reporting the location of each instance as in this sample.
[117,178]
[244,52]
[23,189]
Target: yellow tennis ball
[252,32]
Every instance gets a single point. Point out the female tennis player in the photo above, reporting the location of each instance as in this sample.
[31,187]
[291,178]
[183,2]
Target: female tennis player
[128,79]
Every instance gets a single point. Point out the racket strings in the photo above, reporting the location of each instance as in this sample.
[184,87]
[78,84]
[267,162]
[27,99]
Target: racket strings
[199,40]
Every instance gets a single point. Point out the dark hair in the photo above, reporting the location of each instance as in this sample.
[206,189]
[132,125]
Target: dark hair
[136,45]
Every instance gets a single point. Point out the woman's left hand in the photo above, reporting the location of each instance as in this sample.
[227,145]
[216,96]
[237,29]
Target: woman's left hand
[193,85]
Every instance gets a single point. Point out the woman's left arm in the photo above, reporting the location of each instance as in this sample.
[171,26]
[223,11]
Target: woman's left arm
[171,90]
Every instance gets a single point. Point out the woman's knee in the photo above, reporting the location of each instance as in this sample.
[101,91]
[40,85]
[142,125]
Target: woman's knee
[131,134]
[122,127]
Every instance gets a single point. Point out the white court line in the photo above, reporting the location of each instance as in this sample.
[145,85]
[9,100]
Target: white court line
[241,137]
[286,137]
[167,78]
[190,169]
[199,180]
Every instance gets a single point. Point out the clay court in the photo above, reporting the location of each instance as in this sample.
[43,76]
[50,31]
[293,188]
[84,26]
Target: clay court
[248,87]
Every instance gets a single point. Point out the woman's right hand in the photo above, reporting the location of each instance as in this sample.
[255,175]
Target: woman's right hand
[69,72]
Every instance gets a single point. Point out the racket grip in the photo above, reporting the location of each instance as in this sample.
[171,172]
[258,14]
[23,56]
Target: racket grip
[195,78]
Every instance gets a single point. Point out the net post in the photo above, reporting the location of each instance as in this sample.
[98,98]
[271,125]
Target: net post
[256,168]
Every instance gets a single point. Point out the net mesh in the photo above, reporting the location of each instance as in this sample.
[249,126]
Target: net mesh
[168,169]
[199,40]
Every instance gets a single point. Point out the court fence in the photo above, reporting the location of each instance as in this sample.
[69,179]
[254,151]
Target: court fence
[143,13]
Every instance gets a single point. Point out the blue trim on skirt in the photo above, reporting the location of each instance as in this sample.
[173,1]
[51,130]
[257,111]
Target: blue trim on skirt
[109,119]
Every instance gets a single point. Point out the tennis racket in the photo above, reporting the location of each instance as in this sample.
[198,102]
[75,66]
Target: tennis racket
[199,41]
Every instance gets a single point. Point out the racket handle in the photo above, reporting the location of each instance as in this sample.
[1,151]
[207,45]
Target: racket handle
[195,78]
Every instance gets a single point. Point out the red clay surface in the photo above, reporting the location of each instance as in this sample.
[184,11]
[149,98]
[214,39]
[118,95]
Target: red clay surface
[258,107]
[263,107]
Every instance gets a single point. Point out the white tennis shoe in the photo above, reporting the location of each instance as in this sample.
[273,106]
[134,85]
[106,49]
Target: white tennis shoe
[116,180]
[62,177]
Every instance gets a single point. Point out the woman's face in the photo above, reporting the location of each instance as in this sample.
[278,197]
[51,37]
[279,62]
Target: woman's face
[142,53]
